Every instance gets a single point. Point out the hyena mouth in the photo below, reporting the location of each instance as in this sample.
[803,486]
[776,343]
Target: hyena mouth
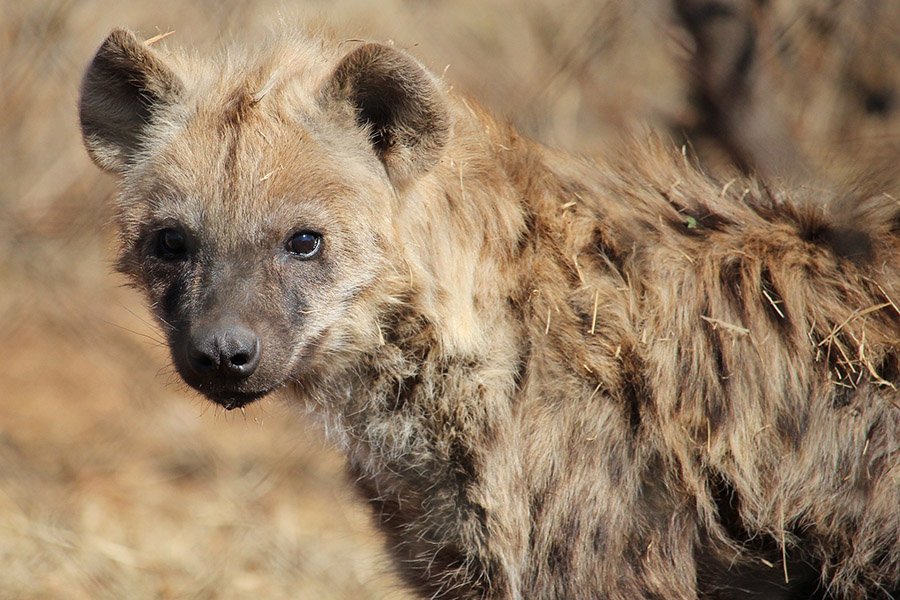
[232,400]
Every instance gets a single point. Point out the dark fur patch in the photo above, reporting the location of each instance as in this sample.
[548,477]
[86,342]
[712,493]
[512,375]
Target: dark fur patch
[879,102]
[792,427]
[709,11]
[635,391]
[837,365]
[851,244]
[716,407]
[713,221]
[598,539]
[573,190]
[488,575]
[774,305]
[527,235]
[449,559]
[745,59]
[843,395]
[616,468]
[171,302]
[604,246]
[714,342]
[731,278]
[521,372]
[684,374]
[464,465]
[406,390]
[403,324]
[694,222]
[753,580]
[821,23]
[236,108]
[848,243]
[889,368]
[728,507]
[536,505]
[423,559]
[559,556]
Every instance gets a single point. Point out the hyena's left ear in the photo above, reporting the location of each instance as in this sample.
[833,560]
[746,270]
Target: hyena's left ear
[399,102]
[122,88]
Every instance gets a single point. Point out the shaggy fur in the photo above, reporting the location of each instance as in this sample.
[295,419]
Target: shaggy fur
[552,378]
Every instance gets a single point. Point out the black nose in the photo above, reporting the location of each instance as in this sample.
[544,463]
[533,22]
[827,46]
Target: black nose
[229,351]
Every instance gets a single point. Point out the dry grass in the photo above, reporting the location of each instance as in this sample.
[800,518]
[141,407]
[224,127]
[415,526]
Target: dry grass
[115,482]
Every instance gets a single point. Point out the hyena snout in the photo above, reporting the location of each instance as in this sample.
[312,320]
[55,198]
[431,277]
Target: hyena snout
[223,351]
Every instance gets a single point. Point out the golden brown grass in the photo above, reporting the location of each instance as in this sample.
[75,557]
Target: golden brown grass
[115,481]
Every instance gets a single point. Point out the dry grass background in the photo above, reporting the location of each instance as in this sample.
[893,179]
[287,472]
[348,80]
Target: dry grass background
[115,481]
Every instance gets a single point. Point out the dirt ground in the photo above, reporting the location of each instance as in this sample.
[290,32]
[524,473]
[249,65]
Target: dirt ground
[115,480]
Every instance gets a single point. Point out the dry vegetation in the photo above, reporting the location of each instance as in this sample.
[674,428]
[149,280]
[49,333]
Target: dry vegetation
[114,480]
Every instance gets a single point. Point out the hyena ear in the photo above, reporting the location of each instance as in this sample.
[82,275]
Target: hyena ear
[399,102]
[124,84]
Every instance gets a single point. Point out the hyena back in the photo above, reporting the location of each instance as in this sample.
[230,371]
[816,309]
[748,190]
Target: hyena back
[551,378]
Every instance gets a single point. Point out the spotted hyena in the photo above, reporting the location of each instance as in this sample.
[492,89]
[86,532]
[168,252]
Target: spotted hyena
[551,377]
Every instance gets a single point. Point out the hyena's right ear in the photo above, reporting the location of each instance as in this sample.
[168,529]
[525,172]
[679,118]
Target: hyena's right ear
[124,84]
[400,103]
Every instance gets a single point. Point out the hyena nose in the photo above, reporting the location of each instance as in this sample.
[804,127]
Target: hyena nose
[232,352]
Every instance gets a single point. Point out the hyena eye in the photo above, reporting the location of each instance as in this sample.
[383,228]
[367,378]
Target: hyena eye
[305,244]
[171,244]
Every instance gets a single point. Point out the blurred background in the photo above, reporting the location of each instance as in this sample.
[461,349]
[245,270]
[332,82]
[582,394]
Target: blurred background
[117,482]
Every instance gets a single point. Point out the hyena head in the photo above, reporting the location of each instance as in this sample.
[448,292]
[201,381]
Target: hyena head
[256,198]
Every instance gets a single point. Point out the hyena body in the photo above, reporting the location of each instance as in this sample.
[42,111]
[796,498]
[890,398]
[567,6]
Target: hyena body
[551,378]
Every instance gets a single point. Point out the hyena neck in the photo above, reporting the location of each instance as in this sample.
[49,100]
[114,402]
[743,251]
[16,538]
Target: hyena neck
[417,412]
[447,347]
